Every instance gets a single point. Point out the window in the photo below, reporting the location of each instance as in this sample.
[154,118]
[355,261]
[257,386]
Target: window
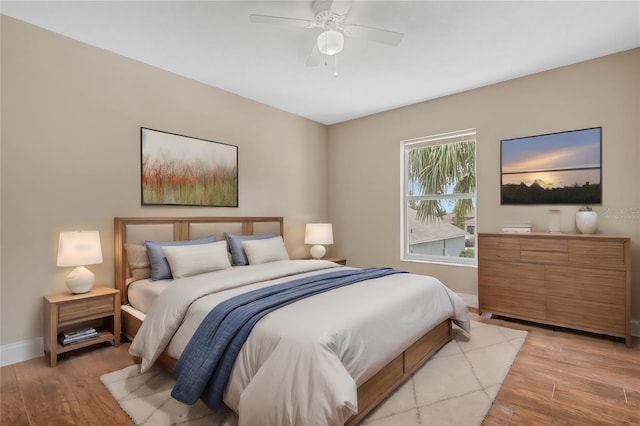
[439,198]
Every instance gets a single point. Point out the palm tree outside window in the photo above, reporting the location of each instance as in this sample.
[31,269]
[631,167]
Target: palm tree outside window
[439,198]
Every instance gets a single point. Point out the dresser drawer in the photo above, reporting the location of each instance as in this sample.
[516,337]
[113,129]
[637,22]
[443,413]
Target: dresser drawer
[561,258]
[606,254]
[544,244]
[507,276]
[585,315]
[85,308]
[596,285]
[544,250]
[497,248]
[513,303]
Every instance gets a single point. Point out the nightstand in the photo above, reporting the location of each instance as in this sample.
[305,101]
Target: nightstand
[99,308]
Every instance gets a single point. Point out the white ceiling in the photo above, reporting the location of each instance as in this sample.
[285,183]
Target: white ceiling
[448,47]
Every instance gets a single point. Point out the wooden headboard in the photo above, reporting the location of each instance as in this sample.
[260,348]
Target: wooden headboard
[138,229]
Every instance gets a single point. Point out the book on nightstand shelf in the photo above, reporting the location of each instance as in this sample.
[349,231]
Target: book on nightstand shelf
[77,335]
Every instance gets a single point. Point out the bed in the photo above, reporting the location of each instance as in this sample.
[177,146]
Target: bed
[284,373]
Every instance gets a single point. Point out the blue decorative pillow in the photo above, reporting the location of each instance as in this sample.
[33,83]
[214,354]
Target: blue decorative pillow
[238,256]
[160,269]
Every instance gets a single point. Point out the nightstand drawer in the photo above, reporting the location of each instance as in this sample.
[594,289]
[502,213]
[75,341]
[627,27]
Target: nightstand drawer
[85,308]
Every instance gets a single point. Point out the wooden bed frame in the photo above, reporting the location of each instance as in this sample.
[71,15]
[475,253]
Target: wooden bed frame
[370,394]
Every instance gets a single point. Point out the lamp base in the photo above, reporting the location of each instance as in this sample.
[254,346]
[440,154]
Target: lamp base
[80,280]
[317,251]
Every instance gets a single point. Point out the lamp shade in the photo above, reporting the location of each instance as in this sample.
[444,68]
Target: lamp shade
[330,42]
[79,248]
[318,233]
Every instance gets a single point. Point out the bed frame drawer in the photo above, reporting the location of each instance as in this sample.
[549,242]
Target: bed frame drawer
[385,379]
[382,384]
[425,346]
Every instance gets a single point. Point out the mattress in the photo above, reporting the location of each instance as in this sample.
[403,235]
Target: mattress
[143,293]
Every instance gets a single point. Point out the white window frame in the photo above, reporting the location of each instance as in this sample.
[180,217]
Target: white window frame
[405,147]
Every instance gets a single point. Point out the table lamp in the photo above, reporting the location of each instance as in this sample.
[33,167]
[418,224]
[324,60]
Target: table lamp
[79,248]
[318,234]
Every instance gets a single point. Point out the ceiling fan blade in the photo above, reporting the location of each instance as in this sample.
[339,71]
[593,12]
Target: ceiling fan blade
[315,58]
[342,7]
[374,34]
[339,7]
[281,20]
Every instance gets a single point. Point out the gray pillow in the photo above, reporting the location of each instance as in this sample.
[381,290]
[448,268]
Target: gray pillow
[238,256]
[160,269]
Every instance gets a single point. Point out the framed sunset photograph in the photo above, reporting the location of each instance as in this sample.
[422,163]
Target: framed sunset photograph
[187,171]
[554,168]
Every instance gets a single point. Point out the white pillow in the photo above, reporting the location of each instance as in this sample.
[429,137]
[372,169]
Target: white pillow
[186,261]
[267,250]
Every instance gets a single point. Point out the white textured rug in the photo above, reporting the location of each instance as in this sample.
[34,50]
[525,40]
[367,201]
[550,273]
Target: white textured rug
[456,387]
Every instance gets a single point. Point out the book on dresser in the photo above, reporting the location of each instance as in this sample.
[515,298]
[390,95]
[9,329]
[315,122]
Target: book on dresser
[523,226]
[77,335]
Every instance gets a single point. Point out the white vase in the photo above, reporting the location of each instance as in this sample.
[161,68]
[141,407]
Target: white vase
[586,222]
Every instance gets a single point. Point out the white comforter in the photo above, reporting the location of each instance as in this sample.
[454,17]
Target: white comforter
[302,363]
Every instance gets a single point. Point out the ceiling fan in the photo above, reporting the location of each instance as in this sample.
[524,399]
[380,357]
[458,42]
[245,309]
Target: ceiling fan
[331,17]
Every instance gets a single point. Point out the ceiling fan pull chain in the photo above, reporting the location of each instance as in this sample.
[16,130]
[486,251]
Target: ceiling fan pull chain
[335,65]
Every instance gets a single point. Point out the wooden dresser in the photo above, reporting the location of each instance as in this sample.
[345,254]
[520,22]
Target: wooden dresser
[568,280]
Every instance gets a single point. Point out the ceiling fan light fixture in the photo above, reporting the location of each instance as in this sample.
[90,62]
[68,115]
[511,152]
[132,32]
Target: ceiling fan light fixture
[330,42]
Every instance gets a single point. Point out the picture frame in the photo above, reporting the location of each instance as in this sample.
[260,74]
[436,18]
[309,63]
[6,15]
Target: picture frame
[553,168]
[187,171]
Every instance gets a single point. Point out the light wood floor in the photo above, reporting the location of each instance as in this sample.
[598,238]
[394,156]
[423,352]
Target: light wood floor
[568,378]
[558,378]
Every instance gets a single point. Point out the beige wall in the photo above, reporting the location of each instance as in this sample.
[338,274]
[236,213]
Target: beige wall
[71,116]
[364,159]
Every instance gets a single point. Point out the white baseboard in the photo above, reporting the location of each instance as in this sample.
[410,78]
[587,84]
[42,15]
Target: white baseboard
[635,328]
[21,351]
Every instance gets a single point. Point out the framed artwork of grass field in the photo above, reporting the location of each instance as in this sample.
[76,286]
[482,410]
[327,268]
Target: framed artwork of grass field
[187,171]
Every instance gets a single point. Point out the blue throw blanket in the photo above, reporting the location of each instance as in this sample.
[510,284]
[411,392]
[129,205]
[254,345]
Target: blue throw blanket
[205,365]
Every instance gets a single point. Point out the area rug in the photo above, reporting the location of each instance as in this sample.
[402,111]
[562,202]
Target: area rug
[456,387]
